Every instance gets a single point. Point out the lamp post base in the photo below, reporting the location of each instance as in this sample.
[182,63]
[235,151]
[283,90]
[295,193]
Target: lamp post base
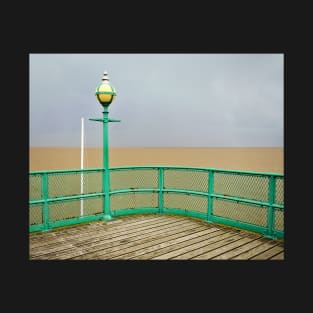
[107,217]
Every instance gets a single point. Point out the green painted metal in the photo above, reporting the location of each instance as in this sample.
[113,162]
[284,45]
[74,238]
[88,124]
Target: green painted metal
[238,224]
[270,211]
[185,212]
[277,234]
[34,228]
[67,198]
[134,190]
[209,215]
[97,119]
[136,167]
[105,156]
[113,120]
[106,93]
[72,221]
[161,187]
[66,171]
[105,120]
[198,168]
[106,174]
[260,203]
[134,211]
[216,170]
[76,220]
[186,191]
[210,195]
[45,195]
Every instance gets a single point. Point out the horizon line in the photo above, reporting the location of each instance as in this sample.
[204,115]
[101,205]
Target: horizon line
[162,147]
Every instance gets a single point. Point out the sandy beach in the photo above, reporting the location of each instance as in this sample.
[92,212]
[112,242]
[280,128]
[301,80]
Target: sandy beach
[250,159]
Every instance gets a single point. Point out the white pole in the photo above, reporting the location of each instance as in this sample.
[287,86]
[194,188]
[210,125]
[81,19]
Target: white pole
[82,166]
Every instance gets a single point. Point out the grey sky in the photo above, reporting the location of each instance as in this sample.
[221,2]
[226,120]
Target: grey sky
[169,100]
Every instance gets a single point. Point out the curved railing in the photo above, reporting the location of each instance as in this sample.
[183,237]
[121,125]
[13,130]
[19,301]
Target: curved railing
[248,200]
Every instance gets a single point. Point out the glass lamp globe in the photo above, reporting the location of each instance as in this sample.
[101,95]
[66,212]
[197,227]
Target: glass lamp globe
[105,91]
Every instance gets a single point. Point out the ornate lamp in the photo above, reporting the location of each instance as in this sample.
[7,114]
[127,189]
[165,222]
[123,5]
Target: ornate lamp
[105,94]
[105,91]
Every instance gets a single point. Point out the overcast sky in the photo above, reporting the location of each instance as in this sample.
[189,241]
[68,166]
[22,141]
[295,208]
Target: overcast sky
[169,100]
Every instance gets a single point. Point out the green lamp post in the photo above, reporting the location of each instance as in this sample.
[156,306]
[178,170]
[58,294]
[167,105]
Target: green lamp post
[105,94]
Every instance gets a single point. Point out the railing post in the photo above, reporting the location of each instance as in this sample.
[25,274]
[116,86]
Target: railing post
[45,196]
[210,192]
[161,186]
[106,174]
[270,211]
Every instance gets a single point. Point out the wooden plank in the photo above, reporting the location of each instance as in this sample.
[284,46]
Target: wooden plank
[105,232]
[108,242]
[279,256]
[89,252]
[222,249]
[169,249]
[230,254]
[171,242]
[76,232]
[152,236]
[268,253]
[108,230]
[93,241]
[76,228]
[118,251]
[194,250]
[259,249]
[199,246]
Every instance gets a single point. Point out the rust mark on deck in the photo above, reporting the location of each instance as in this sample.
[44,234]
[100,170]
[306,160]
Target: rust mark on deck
[152,237]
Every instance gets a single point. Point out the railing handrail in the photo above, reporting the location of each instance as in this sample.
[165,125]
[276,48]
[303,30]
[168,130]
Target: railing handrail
[74,170]
[160,166]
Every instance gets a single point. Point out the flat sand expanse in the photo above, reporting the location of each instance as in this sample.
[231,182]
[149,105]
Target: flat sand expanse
[249,159]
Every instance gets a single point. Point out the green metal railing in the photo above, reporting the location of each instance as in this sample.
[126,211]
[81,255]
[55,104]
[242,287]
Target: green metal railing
[249,200]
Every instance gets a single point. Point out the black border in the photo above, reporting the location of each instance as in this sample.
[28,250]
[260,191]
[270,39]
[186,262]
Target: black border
[220,275]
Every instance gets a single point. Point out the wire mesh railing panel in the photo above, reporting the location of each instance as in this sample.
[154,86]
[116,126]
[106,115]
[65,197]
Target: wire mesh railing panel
[279,195]
[133,179]
[242,186]
[35,187]
[186,202]
[242,212]
[91,206]
[134,200]
[35,214]
[194,180]
[279,219]
[184,190]
[64,184]
[91,182]
[62,210]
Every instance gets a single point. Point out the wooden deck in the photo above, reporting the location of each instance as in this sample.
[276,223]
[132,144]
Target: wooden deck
[152,237]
